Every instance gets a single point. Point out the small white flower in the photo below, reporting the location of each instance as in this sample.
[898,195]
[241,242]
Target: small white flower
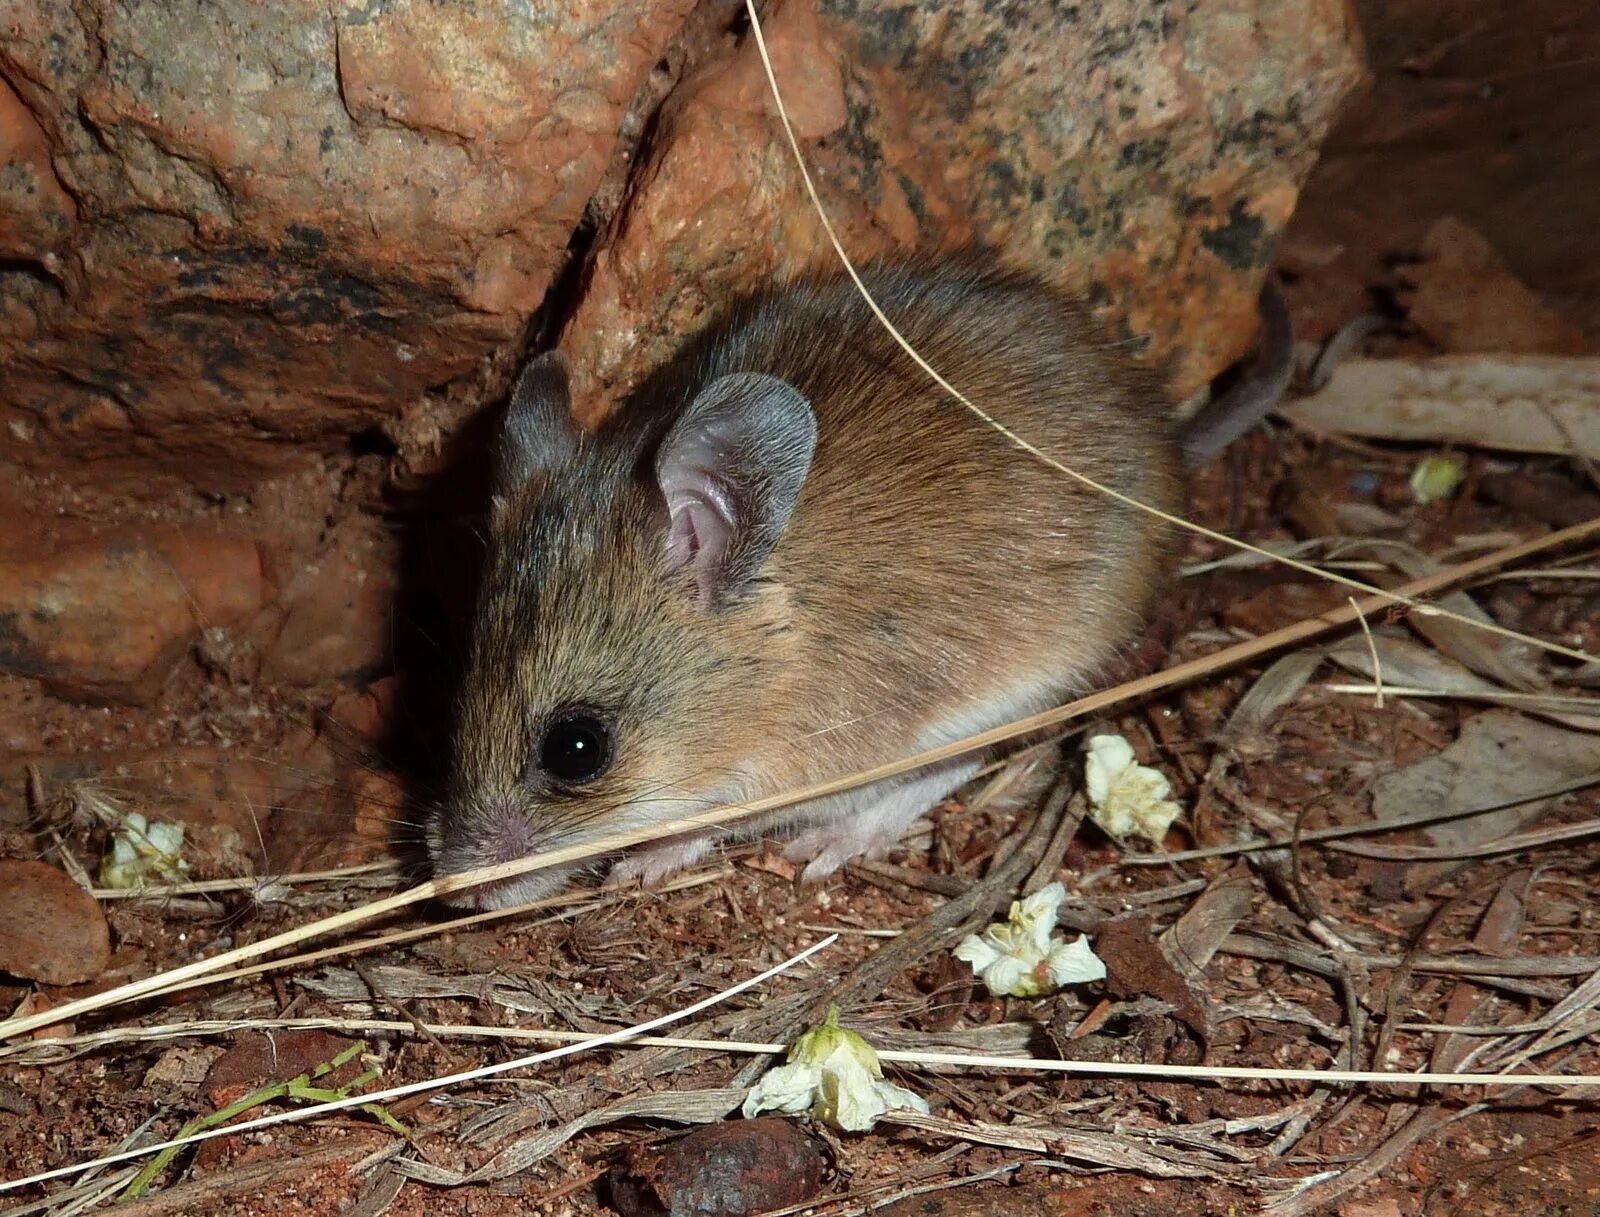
[834,1074]
[1019,957]
[142,852]
[1126,798]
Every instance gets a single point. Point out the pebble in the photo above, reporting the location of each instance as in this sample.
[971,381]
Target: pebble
[51,930]
[722,1170]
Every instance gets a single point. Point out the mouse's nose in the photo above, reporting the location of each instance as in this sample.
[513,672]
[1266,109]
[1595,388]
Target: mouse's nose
[498,834]
[508,838]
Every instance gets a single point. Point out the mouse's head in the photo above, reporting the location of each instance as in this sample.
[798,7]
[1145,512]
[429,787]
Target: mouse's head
[627,635]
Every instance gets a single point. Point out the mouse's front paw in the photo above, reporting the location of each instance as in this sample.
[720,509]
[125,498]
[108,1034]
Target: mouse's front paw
[650,865]
[828,847]
[870,822]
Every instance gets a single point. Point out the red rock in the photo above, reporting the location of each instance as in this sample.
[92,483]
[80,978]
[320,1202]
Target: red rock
[234,239]
[364,713]
[1467,299]
[256,1060]
[51,930]
[380,802]
[36,214]
[293,224]
[339,608]
[255,232]
[107,616]
[1159,185]
[233,804]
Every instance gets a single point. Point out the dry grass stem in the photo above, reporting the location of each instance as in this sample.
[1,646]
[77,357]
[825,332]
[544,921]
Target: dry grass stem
[1178,674]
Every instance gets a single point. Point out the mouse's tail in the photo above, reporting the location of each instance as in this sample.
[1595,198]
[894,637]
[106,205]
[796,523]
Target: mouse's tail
[1254,395]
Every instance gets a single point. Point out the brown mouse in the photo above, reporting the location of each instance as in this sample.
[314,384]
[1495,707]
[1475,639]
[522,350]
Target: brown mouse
[788,556]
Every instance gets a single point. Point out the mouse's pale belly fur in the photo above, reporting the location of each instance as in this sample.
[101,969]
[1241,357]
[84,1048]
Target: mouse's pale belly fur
[933,580]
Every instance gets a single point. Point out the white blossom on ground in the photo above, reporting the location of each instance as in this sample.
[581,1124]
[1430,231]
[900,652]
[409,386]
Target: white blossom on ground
[1021,957]
[143,852]
[835,1075]
[1126,798]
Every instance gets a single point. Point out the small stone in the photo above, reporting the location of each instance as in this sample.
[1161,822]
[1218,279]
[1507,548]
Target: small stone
[255,1060]
[51,930]
[722,1170]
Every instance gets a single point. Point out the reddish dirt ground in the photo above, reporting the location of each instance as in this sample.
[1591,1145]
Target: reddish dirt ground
[1459,123]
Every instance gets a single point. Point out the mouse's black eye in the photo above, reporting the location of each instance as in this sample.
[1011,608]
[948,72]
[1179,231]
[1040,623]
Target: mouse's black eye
[576,747]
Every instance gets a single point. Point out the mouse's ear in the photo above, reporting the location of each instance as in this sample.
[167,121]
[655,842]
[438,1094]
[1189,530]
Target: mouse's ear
[731,469]
[538,432]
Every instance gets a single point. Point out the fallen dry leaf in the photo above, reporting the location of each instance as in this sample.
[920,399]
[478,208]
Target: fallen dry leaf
[1498,757]
[1136,966]
[1466,299]
[1518,403]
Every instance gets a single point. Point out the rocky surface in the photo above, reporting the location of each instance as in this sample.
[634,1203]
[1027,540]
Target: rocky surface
[110,610]
[261,265]
[337,609]
[107,615]
[235,234]
[282,798]
[1145,159]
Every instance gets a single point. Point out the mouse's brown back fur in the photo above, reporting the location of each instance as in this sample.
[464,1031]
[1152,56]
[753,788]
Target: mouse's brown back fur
[932,580]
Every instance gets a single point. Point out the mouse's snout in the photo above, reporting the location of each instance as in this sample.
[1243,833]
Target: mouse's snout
[506,836]
[473,833]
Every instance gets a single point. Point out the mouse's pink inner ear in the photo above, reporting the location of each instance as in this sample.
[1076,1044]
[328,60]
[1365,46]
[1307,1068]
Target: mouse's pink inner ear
[538,433]
[730,470]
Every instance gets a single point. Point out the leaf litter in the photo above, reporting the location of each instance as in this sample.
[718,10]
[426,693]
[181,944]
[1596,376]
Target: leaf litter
[1398,887]
[1314,955]
[1325,977]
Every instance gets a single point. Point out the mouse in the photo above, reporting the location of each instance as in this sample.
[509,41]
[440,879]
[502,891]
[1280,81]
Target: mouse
[787,555]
